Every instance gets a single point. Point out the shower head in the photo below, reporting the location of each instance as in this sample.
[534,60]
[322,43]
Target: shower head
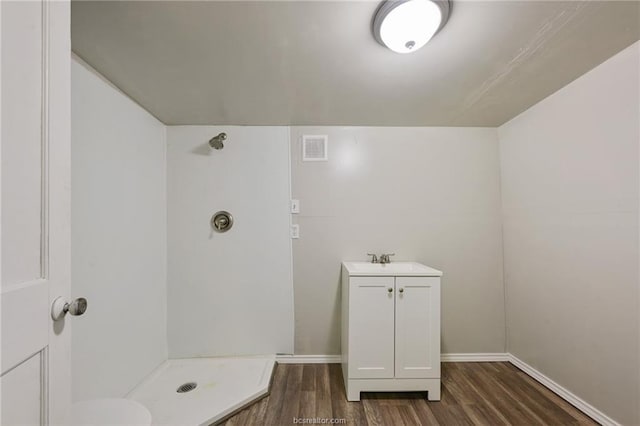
[217,142]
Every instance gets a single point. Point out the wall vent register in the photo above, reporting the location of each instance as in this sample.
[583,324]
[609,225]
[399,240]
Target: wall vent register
[314,148]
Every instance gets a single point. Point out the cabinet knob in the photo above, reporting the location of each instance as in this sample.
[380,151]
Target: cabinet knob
[401,290]
[390,290]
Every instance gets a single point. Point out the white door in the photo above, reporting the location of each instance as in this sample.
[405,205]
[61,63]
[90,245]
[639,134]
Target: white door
[417,327]
[35,211]
[371,306]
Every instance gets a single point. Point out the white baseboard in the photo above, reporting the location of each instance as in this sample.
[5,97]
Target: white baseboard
[308,359]
[475,357]
[563,393]
[334,359]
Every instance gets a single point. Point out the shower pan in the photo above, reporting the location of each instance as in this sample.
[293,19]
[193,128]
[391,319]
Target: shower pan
[202,391]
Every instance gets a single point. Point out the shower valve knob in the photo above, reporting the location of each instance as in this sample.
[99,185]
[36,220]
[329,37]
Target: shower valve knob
[222,221]
[60,307]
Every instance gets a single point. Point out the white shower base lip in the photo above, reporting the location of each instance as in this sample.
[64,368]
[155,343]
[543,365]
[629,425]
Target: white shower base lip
[224,386]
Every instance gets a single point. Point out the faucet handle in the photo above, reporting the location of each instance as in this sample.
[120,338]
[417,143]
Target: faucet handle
[374,258]
[384,257]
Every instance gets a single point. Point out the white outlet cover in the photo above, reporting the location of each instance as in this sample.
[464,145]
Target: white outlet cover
[295,232]
[295,206]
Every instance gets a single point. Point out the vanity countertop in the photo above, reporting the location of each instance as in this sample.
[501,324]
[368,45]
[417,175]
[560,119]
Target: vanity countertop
[396,269]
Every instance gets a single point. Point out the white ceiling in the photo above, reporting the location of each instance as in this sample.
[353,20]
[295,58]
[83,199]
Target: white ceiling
[316,63]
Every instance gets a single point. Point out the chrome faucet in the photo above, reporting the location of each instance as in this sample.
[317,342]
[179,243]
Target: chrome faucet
[374,258]
[384,257]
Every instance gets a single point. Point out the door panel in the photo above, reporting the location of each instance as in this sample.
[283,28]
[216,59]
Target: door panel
[27,393]
[34,228]
[371,309]
[22,55]
[417,326]
[28,305]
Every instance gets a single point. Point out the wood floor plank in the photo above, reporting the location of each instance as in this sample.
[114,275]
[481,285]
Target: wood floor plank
[324,407]
[257,413]
[353,412]
[459,388]
[446,395]
[338,395]
[276,395]
[292,393]
[372,412]
[450,415]
[514,410]
[307,407]
[424,413]
[239,419]
[408,414]
[475,394]
[460,416]
[356,415]
[541,406]
[309,377]
[567,407]
[391,415]
[484,414]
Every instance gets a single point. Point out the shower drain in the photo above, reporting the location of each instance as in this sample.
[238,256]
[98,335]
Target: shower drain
[187,387]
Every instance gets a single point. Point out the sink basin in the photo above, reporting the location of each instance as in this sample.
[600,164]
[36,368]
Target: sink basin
[369,269]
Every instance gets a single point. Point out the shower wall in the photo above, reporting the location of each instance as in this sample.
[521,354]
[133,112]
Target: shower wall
[229,293]
[118,238]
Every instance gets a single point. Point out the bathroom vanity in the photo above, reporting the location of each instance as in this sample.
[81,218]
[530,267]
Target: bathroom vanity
[390,328]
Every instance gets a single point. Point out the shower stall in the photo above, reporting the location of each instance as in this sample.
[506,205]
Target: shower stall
[187,309]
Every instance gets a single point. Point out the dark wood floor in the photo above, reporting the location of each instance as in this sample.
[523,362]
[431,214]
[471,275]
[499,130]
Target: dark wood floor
[479,393]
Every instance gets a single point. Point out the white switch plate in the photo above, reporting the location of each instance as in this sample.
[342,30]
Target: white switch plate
[295,206]
[295,232]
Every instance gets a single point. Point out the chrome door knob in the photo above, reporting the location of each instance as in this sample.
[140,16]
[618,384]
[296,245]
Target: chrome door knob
[77,307]
[60,307]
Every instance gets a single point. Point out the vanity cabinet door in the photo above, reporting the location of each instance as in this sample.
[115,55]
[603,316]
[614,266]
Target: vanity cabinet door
[371,315]
[417,322]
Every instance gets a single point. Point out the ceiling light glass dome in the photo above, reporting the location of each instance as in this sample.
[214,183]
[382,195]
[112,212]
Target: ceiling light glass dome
[405,26]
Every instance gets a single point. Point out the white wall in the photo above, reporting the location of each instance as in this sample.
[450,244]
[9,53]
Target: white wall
[229,293]
[118,238]
[430,195]
[570,204]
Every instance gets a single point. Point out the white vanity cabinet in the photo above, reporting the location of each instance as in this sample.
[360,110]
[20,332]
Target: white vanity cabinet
[390,328]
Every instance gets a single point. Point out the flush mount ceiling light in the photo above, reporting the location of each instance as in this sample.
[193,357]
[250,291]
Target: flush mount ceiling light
[405,26]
